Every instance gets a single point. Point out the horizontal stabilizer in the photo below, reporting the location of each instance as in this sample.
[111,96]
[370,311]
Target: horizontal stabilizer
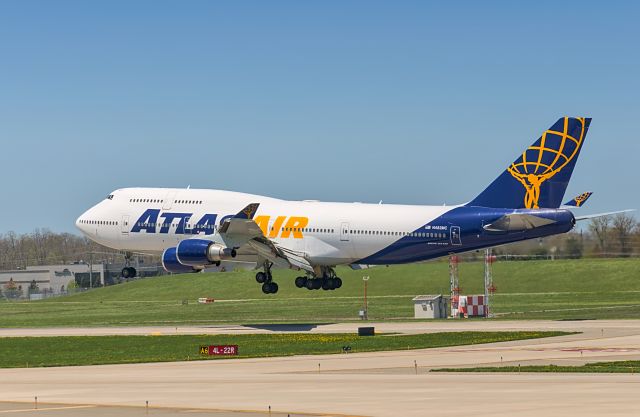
[594,216]
[358,267]
[516,222]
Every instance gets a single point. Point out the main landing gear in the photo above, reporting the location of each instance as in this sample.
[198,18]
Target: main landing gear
[266,279]
[328,281]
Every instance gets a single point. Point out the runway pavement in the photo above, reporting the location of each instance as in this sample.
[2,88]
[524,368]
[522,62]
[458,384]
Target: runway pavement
[367,384]
[413,327]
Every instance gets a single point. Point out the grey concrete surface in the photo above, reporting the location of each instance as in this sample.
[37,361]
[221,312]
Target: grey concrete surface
[592,326]
[369,384]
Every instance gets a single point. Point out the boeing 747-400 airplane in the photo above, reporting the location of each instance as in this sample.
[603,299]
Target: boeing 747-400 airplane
[195,229]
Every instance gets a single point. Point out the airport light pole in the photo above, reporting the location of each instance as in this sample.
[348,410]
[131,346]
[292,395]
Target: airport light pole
[365,279]
[91,269]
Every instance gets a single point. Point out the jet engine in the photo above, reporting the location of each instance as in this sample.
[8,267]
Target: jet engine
[171,264]
[200,252]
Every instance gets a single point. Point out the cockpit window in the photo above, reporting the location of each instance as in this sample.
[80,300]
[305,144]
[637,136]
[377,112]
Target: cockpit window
[110,197]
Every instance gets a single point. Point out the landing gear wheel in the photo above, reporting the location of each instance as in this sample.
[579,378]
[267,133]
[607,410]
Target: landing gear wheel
[317,283]
[261,277]
[301,282]
[309,284]
[269,288]
[128,272]
[337,282]
[326,284]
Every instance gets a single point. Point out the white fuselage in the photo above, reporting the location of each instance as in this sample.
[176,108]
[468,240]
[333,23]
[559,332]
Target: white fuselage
[154,219]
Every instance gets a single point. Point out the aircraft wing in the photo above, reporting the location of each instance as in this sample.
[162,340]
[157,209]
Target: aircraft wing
[516,221]
[238,230]
[241,230]
[280,256]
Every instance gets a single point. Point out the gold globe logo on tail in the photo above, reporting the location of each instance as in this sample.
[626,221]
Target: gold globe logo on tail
[544,159]
[581,198]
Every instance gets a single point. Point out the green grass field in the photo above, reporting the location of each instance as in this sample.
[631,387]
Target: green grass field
[618,367]
[563,289]
[23,352]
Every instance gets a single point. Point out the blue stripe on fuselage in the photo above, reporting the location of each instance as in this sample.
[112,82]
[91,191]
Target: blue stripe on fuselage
[472,236]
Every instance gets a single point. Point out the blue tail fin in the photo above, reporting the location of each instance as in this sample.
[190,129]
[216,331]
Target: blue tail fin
[539,177]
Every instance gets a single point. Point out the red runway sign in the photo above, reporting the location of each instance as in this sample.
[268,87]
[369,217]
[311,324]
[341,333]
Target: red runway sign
[219,350]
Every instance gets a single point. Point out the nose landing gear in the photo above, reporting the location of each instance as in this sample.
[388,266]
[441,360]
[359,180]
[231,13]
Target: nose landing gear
[128,271]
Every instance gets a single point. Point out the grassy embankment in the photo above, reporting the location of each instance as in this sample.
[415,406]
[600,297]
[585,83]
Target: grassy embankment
[22,352]
[619,367]
[566,289]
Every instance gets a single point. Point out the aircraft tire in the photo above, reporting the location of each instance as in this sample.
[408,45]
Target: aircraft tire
[261,278]
[337,282]
[301,282]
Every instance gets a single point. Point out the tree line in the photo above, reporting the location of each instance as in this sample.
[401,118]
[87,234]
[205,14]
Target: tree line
[44,247]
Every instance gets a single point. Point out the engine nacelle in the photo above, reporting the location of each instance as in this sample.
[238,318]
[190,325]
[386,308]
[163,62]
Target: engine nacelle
[171,264]
[200,252]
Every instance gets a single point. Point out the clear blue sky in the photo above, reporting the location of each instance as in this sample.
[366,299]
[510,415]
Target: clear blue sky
[406,102]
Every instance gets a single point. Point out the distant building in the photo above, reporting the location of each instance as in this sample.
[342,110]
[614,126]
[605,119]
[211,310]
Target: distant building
[430,307]
[54,279]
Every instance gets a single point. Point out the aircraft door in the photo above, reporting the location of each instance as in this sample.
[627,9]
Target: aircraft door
[187,226]
[455,236]
[168,200]
[344,232]
[124,226]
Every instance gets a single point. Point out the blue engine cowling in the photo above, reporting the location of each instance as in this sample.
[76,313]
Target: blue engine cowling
[171,264]
[200,252]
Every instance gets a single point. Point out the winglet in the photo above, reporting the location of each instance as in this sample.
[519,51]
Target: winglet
[247,212]
[579,200]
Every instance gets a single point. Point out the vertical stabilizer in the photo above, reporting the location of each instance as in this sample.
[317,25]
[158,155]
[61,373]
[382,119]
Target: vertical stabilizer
[539,177]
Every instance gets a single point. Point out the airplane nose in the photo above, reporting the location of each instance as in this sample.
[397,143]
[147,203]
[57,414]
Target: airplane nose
[80,225]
